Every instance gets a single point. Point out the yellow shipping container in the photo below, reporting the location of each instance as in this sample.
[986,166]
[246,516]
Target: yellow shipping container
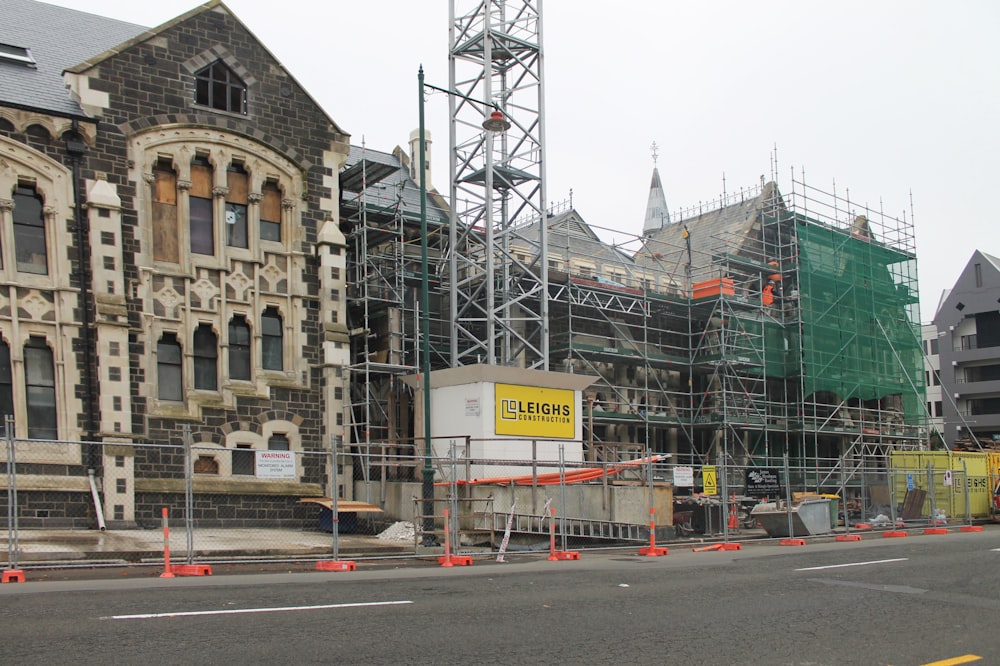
[979,470]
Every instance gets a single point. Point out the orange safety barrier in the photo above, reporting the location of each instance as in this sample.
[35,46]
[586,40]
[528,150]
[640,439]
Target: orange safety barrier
[651,550]
[447,560]
[178,569]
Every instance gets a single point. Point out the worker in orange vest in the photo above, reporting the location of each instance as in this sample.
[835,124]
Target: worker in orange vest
[767,294]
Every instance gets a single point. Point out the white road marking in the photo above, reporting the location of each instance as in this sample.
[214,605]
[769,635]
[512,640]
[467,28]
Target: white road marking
[854,564]
[237,611]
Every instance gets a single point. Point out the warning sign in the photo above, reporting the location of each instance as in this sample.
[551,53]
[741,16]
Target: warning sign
[709,480]
[275,465]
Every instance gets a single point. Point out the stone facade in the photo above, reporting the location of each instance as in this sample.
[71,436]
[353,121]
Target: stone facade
[169,222]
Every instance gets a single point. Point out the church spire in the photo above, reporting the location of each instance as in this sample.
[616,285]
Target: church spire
[657,216]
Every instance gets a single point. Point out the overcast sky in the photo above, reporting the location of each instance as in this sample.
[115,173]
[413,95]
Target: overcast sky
[886,98]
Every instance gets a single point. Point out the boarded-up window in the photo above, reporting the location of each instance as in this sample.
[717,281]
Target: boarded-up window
[270,213]
[202,219]
[236,206]
[165,247]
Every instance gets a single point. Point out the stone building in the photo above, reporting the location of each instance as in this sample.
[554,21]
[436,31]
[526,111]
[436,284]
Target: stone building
[171,260]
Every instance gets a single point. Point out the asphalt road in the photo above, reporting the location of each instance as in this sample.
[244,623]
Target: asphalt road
[917,600]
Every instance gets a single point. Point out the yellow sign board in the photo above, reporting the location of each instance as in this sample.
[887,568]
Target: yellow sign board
[530,411]
[709,480]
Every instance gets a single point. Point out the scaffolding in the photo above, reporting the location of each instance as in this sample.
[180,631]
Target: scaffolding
[761,325]
[379,215]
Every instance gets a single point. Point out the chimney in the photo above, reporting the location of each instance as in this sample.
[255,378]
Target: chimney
[415,157]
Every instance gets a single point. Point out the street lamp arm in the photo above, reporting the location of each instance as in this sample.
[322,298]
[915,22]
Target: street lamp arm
[465,97]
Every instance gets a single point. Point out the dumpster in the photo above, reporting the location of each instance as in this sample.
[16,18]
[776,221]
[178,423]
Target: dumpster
[809,517]
[834,509]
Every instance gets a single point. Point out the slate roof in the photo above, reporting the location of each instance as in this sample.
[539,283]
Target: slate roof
[58,39]
[388,186]
[570,237]
[734,229]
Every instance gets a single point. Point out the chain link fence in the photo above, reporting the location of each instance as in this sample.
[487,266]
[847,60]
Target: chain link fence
[130,501]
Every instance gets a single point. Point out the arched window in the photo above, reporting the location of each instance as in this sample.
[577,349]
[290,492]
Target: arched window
[216,86]
[165,246]
[239,348]
[200,205]
[40,389]
[270,212]
[272,344]
[236,206]
[29,232]
[168,368]
[206,358]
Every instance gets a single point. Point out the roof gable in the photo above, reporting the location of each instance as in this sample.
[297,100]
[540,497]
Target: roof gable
[973,288]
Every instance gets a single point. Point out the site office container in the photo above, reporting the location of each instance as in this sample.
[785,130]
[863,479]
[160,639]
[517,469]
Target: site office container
[979,469]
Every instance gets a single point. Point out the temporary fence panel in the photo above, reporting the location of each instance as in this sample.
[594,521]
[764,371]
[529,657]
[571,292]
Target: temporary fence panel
[969,478]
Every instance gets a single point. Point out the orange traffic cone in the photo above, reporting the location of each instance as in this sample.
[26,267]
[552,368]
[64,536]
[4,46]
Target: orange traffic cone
[733,520]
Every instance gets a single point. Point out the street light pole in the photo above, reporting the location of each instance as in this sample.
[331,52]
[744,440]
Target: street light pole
[495,122]
[425,324]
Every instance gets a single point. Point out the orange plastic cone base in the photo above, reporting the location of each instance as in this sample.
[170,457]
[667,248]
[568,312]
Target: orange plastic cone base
[654,551]
[336,565]
[13,576]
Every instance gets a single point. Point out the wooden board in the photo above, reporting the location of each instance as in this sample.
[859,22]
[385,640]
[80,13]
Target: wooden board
[343,506]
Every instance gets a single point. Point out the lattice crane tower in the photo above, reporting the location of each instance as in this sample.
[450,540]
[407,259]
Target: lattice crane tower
[498,236]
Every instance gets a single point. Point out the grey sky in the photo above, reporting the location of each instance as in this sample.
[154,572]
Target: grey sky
[884,97]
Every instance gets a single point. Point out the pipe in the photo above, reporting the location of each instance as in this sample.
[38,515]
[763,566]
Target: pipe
[98,509]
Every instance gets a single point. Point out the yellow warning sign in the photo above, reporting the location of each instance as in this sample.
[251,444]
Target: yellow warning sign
[708,480]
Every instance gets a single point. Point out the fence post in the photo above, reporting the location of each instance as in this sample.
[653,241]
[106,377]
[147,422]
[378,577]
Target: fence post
[892,496]
[788,496]
[562,495]
[334,497]
[968,507]
[724,513]
[12,574]
[930,488]
[336,564]
[453,519]
[188,493]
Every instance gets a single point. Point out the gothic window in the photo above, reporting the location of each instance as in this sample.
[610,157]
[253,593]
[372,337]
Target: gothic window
[164,207]
[29,232]
[272,348]
[206,358]
[218,87]
[6,382]
[270,212]
[200,207]
[40,389]
[168,368]
[239,348]
[236,206]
